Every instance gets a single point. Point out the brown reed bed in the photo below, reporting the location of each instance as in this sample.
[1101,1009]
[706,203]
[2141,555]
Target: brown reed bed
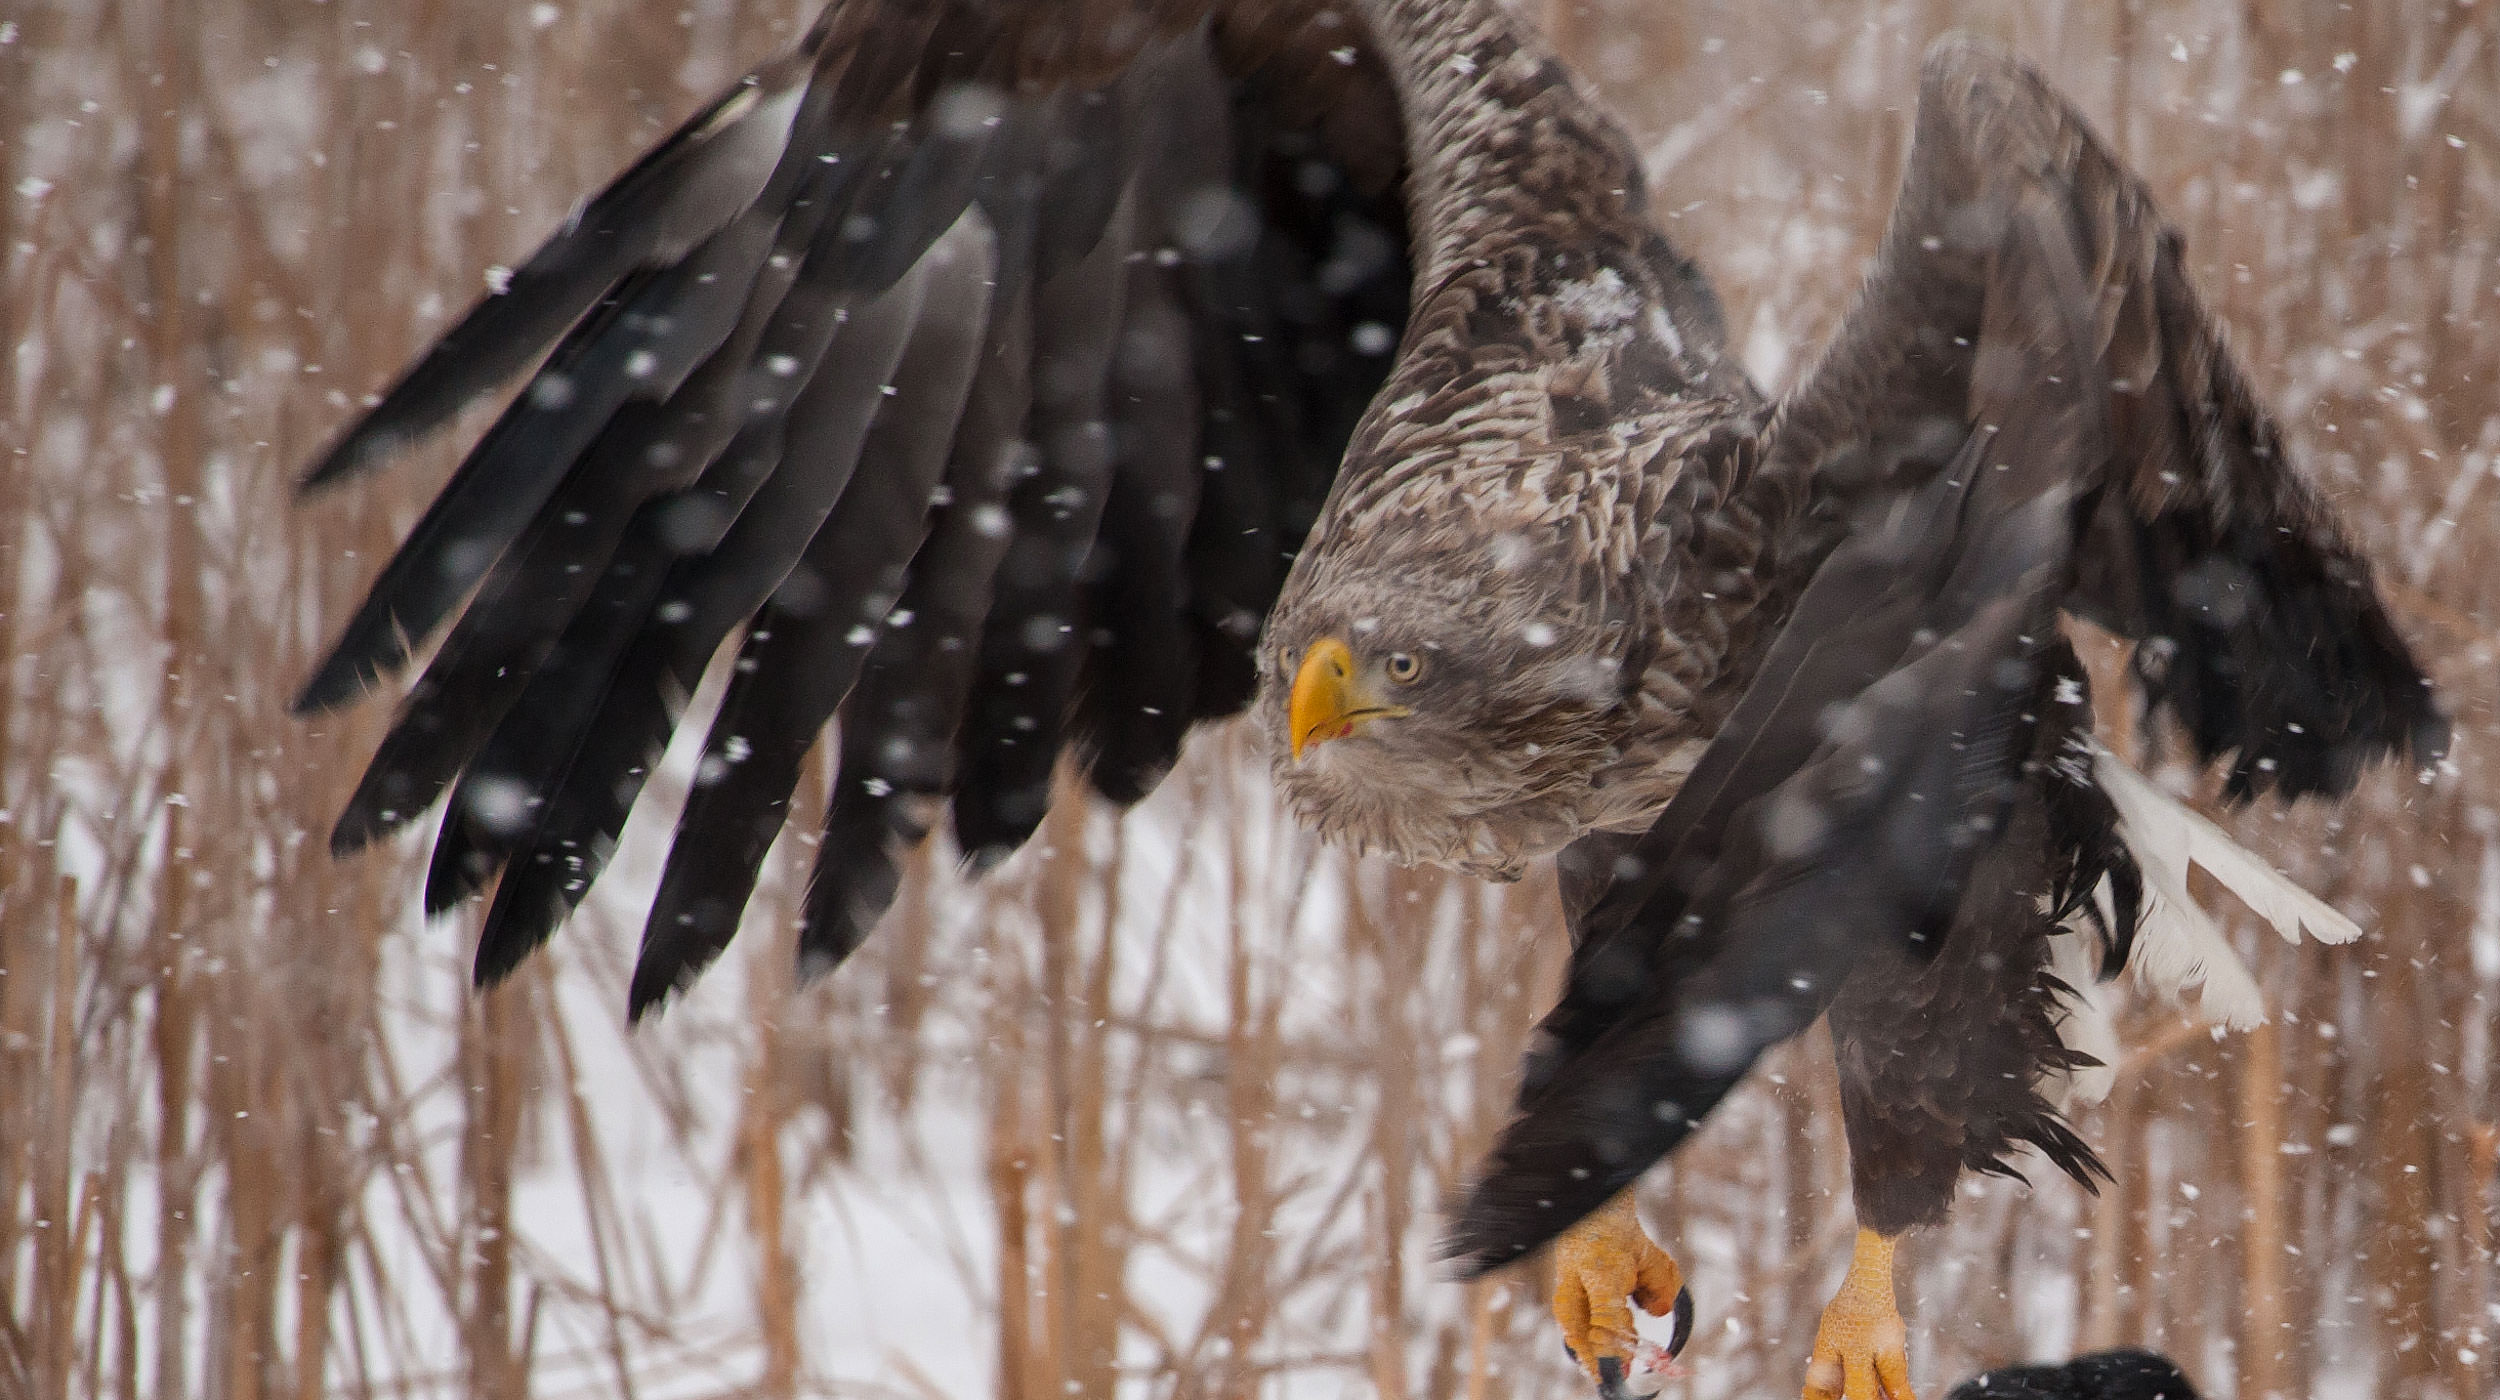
[1168,1106]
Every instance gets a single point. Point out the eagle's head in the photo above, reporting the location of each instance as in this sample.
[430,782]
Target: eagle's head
[1448,705]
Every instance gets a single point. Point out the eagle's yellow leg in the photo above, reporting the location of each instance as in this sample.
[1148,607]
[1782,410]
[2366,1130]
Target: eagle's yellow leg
[1603,1267]
[1861,1351]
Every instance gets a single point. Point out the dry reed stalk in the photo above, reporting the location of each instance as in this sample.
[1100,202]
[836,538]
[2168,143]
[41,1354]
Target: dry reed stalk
[598,1202]
[1400,1051]
[492,1050]
[172,1038]
[762,1116]
[1224,1351]
[1022,1338]
[1083,1229]
[21,1022]
[2482,1177]
[1480,1382]
[93,1230]
[2403,1257]
[113,1368]
[57,1262]
[2262,1358]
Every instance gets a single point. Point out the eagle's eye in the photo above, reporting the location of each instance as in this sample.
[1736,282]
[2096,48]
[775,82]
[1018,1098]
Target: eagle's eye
[1404,667]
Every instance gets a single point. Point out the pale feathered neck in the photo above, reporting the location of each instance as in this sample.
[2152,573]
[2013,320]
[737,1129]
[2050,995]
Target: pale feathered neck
[1472,81]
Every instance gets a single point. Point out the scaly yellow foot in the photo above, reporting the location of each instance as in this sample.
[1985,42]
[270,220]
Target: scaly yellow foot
[1861,1352]
[1603,1267]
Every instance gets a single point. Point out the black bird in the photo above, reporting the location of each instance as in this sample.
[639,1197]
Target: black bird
[2129,1374]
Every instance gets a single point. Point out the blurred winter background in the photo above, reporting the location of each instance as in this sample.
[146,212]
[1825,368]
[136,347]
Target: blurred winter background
[1166,1107]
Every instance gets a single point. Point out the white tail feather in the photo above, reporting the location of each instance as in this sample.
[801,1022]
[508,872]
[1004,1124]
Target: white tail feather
[2178,945]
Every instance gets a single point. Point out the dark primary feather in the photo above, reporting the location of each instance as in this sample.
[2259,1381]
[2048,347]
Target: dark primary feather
[676,197]
[805,647]
[656,328]
[1137,701]
[584,748]
[982,517]
[1031,647]
[896,763]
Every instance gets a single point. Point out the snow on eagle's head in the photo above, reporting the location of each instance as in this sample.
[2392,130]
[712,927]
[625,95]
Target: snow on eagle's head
[1444,693]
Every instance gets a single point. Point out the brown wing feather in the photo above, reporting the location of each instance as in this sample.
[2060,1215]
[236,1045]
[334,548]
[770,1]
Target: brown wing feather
[2263,635]
[2026,344]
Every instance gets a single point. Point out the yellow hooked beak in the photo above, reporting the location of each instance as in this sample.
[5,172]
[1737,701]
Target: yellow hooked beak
[1328,701]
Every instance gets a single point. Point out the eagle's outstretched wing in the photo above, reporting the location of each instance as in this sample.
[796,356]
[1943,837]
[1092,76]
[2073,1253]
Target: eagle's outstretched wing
[2027,410]
[984,363]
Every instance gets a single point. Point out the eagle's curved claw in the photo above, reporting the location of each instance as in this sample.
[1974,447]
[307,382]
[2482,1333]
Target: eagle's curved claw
[1861,1350]
[1603,1268]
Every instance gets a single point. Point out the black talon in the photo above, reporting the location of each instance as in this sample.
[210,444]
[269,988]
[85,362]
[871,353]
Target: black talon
[1610,1370]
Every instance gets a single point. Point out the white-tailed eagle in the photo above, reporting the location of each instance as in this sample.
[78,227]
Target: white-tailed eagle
[1006,379]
